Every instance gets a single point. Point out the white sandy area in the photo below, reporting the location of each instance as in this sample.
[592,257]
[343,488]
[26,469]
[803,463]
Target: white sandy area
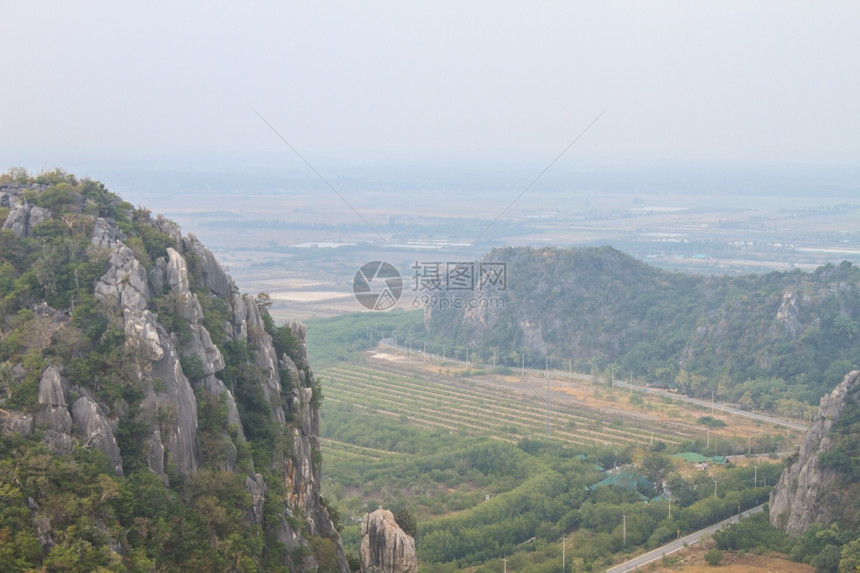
[308,296]
[386,356]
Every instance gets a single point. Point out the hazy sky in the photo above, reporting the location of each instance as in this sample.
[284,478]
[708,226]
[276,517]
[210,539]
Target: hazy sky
[352,82]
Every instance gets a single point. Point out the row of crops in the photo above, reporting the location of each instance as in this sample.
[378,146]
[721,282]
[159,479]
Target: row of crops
[463,405]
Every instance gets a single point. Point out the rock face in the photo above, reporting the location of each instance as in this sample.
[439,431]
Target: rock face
[173,365]
[788,315]
[54,413]
[385,548]
[95,429]
[215,277]
[23,216]
[808,493]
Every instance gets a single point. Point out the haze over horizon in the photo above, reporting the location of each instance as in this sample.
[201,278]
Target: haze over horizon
[386,84]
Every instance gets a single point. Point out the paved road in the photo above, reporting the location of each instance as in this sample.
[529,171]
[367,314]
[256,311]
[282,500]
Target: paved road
[678,544]
[721,407]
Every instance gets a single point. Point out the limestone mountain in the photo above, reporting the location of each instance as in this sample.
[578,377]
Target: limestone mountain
[777,341]
[154,418]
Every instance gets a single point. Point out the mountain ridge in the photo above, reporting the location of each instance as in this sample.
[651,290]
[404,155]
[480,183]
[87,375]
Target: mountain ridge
[120,335]
[752,339]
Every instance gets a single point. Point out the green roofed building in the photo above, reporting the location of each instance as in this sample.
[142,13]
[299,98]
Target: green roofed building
[694,458]
[627,481]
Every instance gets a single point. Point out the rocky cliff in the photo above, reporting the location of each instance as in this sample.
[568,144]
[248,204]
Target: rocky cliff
[120,335]
[817,485]
[385,547]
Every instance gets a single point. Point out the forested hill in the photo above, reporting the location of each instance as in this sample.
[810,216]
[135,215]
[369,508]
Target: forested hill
[769,341]
[153,418]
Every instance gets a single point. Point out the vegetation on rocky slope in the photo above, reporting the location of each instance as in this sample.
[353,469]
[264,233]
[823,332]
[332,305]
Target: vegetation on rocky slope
[154,419]
[777,341]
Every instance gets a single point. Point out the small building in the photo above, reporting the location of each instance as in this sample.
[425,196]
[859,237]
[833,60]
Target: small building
[627,481]
[700,460]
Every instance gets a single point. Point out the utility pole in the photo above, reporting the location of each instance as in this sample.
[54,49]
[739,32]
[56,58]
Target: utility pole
[547,398]
[755,475]
[624,530]
[505,561]
[569,366]
[562,552]
[443,353]
[715,489]
[712,402]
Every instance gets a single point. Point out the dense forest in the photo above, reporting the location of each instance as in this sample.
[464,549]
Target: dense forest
[774,341]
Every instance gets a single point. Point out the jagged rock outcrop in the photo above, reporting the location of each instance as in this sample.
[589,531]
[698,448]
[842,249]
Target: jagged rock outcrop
[23,216]
[256,486]
[141,332]
[154,291]
[808,493]
[16,422]
[385,547]
[54,413]
[123,288]
[788,315]
[105,233]
[200,344]
[92,424]
[266,358]
[174,408]
[214,276]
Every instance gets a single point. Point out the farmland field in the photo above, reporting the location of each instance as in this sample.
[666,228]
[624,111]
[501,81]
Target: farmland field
[463,447]
[460,398]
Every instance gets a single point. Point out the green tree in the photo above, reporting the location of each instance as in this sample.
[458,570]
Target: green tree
[713,556]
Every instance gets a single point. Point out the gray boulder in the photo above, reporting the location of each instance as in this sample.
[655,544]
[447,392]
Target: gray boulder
[105,233]
[54,413]
[51,392]
[124,286]
[23,216]
[385,548]
[95,430]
